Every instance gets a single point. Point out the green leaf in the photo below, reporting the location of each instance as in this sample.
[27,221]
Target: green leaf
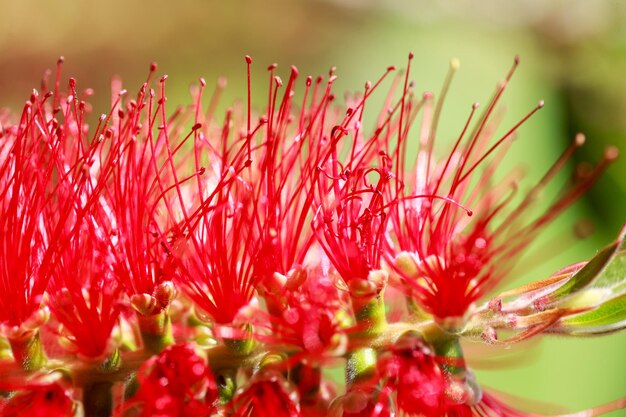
[588,274]
[609,313]
[614,276]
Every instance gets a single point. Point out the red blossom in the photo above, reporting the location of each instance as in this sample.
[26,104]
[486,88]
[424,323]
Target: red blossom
[84,294]
[176,383]
[48,154]
[350,218]
[26,171]
[268,395]
[215,268]
[448,255]
[217,239]
[253,225]
[39,400]
[307,316]
[142,188]
[286,165]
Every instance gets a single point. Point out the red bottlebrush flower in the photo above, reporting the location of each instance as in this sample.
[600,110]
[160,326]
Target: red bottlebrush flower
[267,395]
[351,224]
[281,199]
[351,208]
[84,294]
[86,218]
[269,197]
[40,159]
[266,204]
[449,259]
[215,253]
[27,165]
[308,316]
[176,383]
[141,177]
[39,400]
[136,186]
[215,268]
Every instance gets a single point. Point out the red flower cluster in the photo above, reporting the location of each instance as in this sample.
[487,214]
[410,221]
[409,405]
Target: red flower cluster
[220,268]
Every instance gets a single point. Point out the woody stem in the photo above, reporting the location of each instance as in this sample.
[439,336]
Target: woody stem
[98,399]
[98,393]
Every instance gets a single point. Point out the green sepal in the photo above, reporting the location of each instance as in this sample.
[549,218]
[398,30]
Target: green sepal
[243,346]
[112,363]
[204,337]
[227,386]
[28,351]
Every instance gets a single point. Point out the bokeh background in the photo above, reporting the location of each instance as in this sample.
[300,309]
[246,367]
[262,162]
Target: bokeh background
[573,56]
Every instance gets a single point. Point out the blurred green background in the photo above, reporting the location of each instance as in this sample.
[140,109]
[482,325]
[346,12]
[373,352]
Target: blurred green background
[573,56]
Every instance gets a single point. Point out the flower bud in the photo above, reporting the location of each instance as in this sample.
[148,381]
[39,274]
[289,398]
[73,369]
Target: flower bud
[144,304]
[164,293]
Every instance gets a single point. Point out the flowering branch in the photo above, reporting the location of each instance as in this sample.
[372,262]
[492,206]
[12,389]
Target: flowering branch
[172,265]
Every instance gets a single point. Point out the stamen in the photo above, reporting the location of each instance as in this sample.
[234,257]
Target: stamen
[454,66]
[532,195]
[456,146]
[248,138]
[502,139]
[488,112]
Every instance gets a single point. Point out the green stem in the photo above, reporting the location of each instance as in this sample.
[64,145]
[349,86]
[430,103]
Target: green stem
[369,313]
[361,366]
[451,350]
[446,345]
[238,351]
[28,351]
